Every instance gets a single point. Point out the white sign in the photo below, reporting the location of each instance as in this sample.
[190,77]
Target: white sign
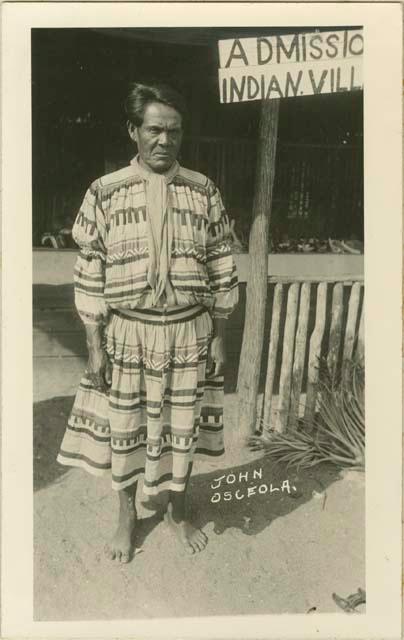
[290,66]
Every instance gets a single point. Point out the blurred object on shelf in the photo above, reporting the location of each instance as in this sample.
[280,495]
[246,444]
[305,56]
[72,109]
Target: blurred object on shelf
[315,245]
[60,239]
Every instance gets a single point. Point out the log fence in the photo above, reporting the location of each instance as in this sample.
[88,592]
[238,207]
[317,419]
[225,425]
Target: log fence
[310,322]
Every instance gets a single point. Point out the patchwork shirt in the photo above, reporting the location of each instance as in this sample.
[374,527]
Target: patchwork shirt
[111,232]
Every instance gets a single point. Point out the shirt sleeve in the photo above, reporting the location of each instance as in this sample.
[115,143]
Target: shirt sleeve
[220,262]
[89,232]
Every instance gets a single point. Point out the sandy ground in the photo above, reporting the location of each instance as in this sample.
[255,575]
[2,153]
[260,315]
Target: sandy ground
[272,552]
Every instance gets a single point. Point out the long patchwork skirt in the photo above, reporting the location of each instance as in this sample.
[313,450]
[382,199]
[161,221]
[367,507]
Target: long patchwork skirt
[161,412]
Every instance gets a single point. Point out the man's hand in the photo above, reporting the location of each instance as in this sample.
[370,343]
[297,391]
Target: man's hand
[98,367]
[216,357]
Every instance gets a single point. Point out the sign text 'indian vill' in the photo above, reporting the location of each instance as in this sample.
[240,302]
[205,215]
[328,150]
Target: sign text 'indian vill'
[290,66]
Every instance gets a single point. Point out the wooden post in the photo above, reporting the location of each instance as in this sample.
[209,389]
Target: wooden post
[336,328]
[272,353]
[287,359]
[300,355]
[350,330]
[360,348]
[257,283]
[314,355]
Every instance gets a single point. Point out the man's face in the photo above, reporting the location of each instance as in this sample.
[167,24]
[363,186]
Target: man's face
[159,136]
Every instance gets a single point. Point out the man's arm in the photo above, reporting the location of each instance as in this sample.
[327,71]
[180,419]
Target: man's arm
[98,367]
[222,275]
[89,232]
[218,347]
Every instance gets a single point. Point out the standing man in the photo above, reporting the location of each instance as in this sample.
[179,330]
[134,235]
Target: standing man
[155,281]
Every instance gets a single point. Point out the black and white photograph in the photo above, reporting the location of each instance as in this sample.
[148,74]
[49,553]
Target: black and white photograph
[200,320]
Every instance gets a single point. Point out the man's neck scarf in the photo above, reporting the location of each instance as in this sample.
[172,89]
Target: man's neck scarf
[159,225]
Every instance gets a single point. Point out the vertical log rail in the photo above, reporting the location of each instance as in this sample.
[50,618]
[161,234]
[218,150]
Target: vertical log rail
[300,354]
[272,352]
[314,354]
[287,359]
[360,349]
[350,330]
[253,335]
[335,329]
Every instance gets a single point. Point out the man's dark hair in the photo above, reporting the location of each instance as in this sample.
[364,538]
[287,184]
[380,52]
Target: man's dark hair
[140,95]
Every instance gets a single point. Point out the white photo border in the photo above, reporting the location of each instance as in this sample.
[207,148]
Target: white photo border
[382,24]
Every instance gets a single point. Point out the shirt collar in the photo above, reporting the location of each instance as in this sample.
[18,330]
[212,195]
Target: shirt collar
[145,173]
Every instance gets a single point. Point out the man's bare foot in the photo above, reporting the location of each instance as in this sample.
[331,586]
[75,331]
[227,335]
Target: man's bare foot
[193,539]
[122,545]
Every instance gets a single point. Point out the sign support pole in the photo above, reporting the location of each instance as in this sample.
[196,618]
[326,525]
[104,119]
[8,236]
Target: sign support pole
[257,283]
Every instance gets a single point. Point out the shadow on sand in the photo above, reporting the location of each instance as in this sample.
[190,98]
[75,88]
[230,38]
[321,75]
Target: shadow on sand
[252,513]
[49,419]
[207,502]
[228,506]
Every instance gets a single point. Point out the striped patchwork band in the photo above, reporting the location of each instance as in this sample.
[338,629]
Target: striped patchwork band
[162,315]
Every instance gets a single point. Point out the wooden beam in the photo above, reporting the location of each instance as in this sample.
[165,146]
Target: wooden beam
[360,349]
[272,353]
[314,355]
[257,283]
[336,329]
[300,355]
[287,359]
[350,331]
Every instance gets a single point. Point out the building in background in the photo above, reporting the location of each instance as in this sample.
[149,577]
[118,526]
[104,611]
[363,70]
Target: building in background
[79,78]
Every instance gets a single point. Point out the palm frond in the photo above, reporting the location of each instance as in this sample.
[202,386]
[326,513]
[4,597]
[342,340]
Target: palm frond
[339,426]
